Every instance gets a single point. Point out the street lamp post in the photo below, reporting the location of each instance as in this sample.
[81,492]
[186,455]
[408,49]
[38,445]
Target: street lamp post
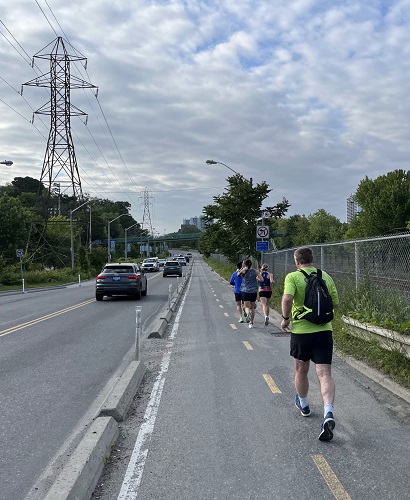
[6,162]
[213,162]
[125,238]
[71,232]
[109,236]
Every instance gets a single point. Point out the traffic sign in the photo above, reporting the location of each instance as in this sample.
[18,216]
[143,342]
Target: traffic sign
[19,252]
[265,215]
[262,231]
[262,246]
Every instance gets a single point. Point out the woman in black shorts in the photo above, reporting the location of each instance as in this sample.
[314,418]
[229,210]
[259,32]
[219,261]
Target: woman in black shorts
[265,290]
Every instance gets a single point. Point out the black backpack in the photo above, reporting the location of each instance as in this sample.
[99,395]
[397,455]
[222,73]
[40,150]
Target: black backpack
[318,304]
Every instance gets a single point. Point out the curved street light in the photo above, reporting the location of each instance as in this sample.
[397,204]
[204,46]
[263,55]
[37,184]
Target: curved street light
[109,236]
[125,238]
[213,162]
[6,162]
[71,231]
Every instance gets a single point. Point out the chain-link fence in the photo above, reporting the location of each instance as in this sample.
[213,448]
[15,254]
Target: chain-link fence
[381,261]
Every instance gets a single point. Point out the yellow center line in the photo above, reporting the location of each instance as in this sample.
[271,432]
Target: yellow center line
[247,345]
[271,383]
[226,315]
[43,318]
[330,477]
[233,326]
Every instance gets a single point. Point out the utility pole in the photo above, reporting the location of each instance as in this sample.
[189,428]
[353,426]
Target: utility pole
[60,162]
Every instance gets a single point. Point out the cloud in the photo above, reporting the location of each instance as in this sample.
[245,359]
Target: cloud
[309,96]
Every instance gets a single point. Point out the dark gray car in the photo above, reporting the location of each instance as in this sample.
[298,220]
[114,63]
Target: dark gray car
[172,267]
[121,279]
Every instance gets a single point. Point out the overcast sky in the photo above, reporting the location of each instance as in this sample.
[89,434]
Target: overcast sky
[310,96]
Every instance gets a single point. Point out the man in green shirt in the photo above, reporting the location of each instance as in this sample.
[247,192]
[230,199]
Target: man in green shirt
[309,341]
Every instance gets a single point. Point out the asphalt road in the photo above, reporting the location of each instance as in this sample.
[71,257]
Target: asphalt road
[60,354]
[215,418]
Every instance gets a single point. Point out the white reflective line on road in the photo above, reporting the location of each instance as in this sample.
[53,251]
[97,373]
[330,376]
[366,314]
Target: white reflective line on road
[135,469]
[221,306]
[226,314]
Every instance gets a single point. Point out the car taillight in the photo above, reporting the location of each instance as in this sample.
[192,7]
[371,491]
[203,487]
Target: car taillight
[101,277]
[132,277]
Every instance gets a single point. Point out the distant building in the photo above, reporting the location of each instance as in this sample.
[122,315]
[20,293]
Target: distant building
[198,222]
[351,208]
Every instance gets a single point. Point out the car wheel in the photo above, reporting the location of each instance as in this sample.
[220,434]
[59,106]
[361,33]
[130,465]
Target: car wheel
[144,292]
[99,296]
[138,294]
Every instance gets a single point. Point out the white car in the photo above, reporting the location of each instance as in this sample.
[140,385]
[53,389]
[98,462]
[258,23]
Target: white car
[150,264]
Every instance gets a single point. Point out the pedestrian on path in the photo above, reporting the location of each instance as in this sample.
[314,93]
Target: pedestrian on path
[249,289]
[236,281]
[265,290]
[310,341]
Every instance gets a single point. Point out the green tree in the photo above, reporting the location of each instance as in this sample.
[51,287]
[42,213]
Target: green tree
[385,205]
[236,214]
[14,223]
[324,227]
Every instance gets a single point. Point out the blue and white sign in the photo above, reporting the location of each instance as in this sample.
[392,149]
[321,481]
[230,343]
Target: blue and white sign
[112,246]
[262,246]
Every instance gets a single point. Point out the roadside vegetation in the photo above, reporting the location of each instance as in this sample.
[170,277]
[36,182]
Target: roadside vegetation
[389,311]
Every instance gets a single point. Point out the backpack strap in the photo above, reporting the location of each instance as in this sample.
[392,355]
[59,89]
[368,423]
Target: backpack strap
[318,272]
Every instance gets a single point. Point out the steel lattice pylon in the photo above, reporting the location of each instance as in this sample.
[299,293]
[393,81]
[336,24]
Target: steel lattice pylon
[146,218]
[60,163]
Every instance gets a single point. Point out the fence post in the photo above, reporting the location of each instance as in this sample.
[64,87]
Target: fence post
[169,296]
[356,264]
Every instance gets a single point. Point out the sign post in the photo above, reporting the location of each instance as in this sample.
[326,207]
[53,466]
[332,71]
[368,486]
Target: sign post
[19,254]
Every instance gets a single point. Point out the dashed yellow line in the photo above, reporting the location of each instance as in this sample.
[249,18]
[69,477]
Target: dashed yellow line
[330,477]
[271,383]
[226,315]
[233,326]
[43,318]
[247,345]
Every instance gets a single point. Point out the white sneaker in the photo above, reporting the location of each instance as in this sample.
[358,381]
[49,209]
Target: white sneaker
[266,320]
[250,325]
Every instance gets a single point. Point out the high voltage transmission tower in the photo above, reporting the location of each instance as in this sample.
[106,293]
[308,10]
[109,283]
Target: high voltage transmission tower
[146,218]
[60,163]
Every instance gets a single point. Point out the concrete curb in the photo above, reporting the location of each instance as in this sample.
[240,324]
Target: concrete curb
[80,475]
[160,326]
[119,400]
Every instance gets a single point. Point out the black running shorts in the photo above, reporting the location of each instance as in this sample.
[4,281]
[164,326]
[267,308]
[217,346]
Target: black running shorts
[317,347]
[265,293]
[238,297]
[249,297]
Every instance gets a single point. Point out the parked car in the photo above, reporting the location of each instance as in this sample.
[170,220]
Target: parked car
[172,267]
[121,279]
[150,264]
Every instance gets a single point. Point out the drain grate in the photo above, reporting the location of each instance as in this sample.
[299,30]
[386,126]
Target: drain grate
[280,334]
